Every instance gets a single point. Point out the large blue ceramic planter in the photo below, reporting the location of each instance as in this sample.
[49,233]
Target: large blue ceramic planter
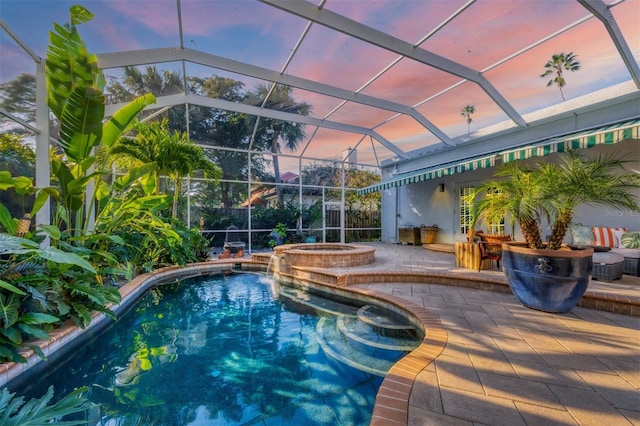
[547,280]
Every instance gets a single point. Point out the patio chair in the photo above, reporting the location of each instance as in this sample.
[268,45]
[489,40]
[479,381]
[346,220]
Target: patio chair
[491,247]
[233,246]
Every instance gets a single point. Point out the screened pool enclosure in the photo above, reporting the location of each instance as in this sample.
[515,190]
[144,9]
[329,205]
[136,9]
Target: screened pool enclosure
[301,103]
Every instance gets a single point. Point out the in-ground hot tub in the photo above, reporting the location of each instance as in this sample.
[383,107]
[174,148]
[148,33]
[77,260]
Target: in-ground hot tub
[325,255]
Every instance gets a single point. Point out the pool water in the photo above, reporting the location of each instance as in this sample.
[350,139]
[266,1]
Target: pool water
[236,350]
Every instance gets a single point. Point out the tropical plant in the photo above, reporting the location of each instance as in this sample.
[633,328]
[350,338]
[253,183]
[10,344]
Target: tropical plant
[14,411]
[280,98]
[467,111]
[130,226]
[278,234]
[56,279]
[552,191]
[148,244]
[75,96]
[16,158]
[172,153]
[40,286]
[557,65]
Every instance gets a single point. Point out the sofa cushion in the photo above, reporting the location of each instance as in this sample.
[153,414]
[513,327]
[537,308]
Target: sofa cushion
[608,258]
[628,253]
[581,235]
[630,240]
[605,236]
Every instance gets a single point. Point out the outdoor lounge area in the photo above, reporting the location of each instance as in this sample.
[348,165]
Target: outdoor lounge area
[191,172]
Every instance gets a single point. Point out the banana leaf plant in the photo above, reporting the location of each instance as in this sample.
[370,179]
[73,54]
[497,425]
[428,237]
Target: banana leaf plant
[15,411]
[75,95]
[41,286]
[26,311]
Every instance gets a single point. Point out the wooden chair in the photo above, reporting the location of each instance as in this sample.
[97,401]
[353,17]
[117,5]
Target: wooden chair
[491,247]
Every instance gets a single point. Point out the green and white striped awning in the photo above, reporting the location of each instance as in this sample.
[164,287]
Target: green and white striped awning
[422,175]
[587,139]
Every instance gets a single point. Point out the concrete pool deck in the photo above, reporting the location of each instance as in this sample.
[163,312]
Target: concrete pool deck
[504,364]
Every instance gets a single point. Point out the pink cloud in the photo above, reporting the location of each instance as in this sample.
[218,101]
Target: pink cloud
[119,40]
[337,59]
[159,16]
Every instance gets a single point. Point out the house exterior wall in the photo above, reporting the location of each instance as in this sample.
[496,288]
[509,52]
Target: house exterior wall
[422,204]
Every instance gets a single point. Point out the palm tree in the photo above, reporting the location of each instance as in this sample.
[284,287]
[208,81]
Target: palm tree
[135,82]
[466,112]
[274,131]
[552,192]
[174,154]
[224,129]
[559,63]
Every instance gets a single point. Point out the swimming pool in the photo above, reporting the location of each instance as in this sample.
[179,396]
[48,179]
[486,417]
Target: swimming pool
[237,349]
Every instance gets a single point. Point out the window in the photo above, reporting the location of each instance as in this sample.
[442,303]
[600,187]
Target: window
[496,226]
[466,217]
[466,209]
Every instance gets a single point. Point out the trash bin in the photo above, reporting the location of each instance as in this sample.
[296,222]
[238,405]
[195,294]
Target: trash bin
[428,234]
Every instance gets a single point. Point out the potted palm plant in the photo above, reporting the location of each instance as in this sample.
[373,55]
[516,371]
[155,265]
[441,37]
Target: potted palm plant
[549,275]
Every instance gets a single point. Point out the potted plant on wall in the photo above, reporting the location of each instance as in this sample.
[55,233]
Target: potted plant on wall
[278,235]
[551,276]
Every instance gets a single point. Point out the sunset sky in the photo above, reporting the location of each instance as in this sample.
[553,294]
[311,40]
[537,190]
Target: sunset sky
[484,34]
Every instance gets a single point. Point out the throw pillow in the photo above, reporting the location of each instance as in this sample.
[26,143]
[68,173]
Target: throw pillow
[630,240]
[604,236]
[581,235]
[617,234]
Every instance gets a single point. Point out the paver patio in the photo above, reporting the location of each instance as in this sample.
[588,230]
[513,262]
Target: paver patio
[505,364]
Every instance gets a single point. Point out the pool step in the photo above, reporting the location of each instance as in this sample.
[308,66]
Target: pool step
[370,336]
[366,338]
[318,303]
[382,319]
[337,346]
